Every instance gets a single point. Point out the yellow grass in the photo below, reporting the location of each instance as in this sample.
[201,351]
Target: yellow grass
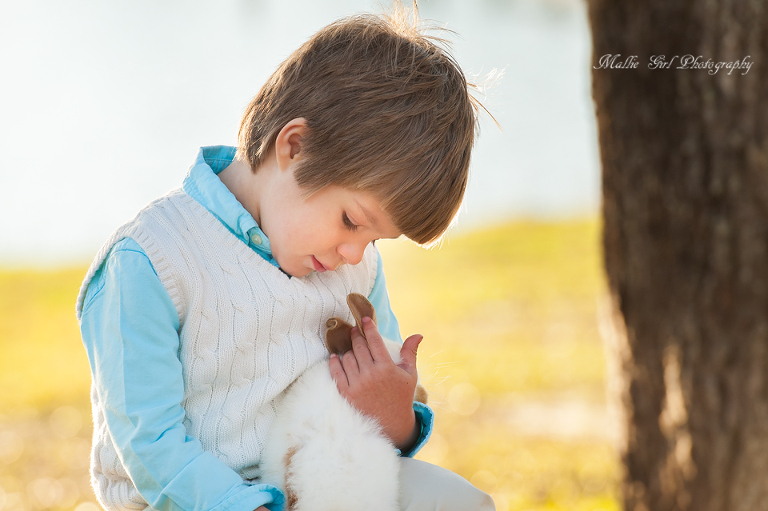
[508,315]
[42,361]
[510,308]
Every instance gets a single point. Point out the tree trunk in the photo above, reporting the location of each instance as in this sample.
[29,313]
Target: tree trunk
[685,205]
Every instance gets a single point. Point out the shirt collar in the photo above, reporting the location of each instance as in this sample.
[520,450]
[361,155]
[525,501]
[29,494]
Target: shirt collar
[203,185]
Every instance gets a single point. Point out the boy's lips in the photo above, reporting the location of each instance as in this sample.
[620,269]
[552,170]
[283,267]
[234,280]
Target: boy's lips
[320,267]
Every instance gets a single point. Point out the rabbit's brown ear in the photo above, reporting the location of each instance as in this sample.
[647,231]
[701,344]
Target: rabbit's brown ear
[420,395]
[360,307]
[338,337]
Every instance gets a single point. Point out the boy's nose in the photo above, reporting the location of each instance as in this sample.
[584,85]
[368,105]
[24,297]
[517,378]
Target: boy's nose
[352,253]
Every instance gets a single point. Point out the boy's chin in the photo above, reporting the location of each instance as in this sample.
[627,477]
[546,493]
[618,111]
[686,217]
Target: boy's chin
[297,267]
[295,271]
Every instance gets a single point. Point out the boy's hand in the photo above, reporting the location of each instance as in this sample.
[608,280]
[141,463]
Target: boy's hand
[369,379]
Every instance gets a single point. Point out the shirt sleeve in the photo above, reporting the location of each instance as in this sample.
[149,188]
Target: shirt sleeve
[389,328]
[379,298]
[130,331]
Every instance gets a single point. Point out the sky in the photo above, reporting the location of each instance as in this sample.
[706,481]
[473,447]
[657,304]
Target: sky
[105,104]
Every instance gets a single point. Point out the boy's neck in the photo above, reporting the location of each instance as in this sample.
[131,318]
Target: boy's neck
[244,184]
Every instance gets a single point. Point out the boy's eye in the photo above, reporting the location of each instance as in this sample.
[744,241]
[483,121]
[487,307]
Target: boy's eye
[348,223]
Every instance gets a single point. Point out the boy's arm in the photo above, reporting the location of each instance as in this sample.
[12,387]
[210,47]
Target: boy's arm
[388,327]
[129,327]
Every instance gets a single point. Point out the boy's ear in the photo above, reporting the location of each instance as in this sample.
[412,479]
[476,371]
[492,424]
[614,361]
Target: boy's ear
[288,144]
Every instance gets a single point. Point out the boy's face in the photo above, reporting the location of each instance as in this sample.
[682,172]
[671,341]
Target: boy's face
[330,228]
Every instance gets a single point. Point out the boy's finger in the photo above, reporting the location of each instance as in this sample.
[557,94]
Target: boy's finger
[408,353]
[337,373]
[351,367]
[378,350]
[360,348]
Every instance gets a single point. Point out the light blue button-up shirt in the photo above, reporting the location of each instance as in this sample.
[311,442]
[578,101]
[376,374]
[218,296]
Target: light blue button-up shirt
[130,331]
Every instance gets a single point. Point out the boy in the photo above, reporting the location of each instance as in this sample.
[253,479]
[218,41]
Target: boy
[200,312]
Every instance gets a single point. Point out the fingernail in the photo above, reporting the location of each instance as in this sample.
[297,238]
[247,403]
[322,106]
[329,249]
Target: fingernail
[334,355]
[366,319]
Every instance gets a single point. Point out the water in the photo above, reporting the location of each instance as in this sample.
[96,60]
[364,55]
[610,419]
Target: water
[104,104]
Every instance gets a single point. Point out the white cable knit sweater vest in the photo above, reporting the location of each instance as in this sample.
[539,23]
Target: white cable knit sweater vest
[247,331]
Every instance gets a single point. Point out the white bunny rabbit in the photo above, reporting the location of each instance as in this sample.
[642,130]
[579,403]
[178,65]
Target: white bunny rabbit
[322,452]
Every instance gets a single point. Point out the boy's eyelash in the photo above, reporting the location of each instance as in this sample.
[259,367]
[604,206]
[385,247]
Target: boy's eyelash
[348,223]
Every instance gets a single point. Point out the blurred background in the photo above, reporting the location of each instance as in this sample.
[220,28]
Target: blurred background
[104,105]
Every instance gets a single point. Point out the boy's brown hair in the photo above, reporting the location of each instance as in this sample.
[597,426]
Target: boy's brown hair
[388,111]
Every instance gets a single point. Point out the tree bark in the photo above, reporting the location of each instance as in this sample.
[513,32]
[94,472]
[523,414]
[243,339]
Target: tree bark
[685,205]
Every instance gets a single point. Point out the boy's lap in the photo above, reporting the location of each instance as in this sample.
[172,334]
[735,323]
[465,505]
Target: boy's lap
[427,487]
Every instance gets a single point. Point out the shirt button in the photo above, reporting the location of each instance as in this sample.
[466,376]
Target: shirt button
[256,239]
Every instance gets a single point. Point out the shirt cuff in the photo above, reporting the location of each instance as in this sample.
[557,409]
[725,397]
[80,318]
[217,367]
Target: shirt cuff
[425,418]
[254,496]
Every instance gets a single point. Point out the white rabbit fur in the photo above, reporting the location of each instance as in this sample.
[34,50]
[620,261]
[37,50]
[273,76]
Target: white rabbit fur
[327,456]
